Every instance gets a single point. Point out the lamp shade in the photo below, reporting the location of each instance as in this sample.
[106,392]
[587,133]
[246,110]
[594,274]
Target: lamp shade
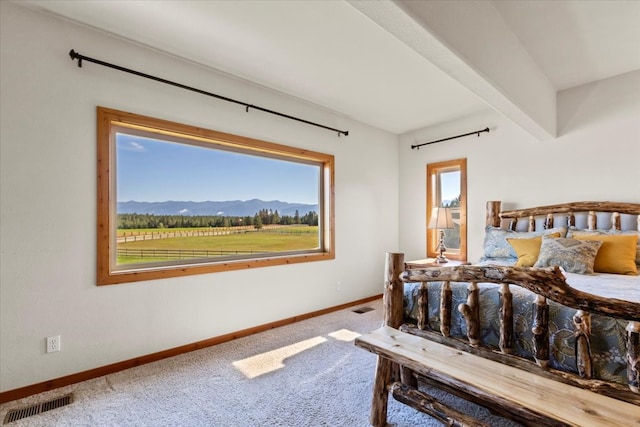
[441,219]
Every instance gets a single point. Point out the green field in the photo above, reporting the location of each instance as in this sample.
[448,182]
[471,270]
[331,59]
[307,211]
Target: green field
[281,239]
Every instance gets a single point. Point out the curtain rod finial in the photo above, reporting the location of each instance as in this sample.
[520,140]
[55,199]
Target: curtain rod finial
[75,55]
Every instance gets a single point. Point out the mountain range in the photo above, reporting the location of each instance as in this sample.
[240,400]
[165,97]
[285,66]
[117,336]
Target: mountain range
[227,208]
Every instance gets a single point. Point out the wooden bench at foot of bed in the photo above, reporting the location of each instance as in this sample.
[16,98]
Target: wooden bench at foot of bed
[515,393]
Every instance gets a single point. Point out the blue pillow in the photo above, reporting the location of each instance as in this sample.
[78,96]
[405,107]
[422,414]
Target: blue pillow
[496,244]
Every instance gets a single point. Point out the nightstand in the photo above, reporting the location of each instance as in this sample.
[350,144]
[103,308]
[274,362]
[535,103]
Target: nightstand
[431,262]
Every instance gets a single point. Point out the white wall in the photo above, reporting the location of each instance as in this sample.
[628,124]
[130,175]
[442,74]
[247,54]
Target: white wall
[596,157]
[48,205]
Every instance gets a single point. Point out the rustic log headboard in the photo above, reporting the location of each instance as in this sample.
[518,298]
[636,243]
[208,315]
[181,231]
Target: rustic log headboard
[497,218]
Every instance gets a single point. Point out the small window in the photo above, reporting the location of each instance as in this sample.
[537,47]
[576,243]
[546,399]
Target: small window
[177,200]
[447,187]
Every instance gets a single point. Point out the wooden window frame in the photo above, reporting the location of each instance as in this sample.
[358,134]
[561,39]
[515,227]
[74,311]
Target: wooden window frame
[432,236]
[109,119]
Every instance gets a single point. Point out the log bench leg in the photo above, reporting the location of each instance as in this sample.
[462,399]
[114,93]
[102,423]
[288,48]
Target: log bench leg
[412,397]
[407,376]
[430,406]
[380,400]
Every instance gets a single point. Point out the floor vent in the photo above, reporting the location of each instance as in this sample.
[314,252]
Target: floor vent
[363,310]
[38,408]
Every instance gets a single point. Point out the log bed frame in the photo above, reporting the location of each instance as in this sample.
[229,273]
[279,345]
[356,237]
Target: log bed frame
[508,385]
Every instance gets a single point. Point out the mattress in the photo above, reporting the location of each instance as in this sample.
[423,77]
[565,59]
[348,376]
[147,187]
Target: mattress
[623,287]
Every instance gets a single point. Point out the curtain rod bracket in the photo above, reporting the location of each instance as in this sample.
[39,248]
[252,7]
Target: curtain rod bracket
[478,132]
[75,55]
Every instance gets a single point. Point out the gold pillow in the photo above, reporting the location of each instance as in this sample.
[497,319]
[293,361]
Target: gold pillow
[616,255]
[528,250]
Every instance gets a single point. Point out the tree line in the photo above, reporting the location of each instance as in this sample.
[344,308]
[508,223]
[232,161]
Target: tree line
[452,237]
[260,219]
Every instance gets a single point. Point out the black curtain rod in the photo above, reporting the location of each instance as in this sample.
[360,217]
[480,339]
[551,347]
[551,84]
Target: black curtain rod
[75,55]
[478,132]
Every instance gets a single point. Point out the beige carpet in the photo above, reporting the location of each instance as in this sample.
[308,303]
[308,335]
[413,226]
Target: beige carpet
[306,374]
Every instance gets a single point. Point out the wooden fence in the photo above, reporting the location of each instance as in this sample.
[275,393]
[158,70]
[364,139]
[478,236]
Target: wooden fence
[177,253]
[137,236]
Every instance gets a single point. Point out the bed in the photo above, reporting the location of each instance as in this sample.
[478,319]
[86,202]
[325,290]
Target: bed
[573,316]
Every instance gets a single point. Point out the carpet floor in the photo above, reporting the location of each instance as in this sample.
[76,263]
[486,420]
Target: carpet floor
[306,374]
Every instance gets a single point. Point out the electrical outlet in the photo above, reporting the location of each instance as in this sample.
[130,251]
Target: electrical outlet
[338,286]
[53,344]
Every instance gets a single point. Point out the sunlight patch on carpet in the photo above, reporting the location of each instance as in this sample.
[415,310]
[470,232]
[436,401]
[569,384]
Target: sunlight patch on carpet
[273,360]
[344,335]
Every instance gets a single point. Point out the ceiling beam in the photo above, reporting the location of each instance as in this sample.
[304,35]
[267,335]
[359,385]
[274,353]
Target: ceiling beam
[470,42]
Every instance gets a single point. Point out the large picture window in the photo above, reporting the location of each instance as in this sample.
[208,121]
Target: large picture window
[176,200]
[447,187]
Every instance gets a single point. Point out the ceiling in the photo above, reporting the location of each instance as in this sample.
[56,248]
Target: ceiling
[341,55]
[577,42]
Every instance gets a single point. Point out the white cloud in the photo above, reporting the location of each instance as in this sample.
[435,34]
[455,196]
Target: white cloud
[134,146]
[183,211]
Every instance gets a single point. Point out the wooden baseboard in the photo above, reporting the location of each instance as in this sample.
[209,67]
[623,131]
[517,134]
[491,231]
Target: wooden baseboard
[19,393]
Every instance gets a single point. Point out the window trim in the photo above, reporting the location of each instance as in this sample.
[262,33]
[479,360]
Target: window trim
[432,236]
[107,119]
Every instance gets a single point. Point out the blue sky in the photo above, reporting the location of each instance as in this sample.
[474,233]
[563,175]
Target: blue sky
[149,170]
[450,185]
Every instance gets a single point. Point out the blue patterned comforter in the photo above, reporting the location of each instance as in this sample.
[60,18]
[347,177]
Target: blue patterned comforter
[608,335]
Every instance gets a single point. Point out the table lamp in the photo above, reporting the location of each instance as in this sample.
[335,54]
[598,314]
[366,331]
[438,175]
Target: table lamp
[441,219]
